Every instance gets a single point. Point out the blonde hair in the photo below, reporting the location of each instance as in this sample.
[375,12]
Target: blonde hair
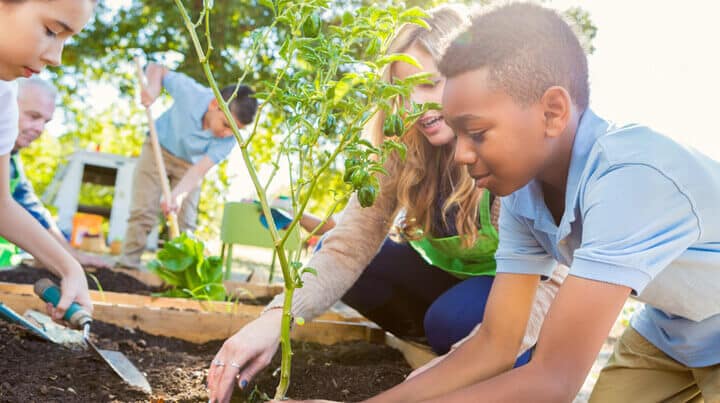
[428,172]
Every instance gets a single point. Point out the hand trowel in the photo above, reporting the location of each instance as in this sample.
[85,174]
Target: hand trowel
[77,316]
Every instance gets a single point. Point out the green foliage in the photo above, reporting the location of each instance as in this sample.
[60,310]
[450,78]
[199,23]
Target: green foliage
[181,263]
[102,53]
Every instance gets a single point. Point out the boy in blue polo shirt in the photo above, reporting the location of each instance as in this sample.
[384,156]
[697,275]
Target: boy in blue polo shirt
[194,136]
[629,210]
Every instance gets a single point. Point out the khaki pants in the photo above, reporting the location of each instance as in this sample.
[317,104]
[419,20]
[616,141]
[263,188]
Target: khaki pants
[145,202]
[639,372]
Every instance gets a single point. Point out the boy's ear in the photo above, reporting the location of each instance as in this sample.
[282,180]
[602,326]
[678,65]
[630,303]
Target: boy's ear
[557,107]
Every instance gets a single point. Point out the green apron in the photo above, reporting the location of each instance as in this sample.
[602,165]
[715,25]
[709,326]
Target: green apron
[8,251]
[449,255]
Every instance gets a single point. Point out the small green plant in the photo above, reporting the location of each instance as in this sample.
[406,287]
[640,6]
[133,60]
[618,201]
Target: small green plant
[182,264]
[97,283]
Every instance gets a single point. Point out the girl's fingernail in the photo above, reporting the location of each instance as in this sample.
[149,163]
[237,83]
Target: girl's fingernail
[243,383]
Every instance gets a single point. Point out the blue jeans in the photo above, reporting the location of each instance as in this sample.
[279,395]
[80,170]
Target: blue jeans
[410,298]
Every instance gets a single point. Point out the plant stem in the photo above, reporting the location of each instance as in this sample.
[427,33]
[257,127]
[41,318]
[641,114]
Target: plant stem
[279,243]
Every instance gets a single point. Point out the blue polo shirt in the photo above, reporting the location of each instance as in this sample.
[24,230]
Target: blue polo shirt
[641,211]
[180,128]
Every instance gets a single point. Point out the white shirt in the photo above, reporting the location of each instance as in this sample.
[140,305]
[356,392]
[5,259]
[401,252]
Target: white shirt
[8,116]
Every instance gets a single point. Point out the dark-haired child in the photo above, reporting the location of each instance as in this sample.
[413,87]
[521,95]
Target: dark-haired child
[194,136]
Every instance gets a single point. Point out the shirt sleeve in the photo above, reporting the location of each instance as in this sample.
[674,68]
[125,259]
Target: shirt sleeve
[24,195]
[182,88]
[8,116]
[220,148]
[519,252]
[636,221]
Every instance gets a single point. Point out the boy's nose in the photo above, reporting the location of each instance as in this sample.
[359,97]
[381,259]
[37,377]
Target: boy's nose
[464,153]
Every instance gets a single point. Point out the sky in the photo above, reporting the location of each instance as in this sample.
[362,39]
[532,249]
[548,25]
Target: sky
[656,62]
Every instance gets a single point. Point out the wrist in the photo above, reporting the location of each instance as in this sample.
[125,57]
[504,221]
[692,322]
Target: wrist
[70,268]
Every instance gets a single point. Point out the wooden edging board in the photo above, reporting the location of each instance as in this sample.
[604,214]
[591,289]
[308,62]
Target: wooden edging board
[187,323]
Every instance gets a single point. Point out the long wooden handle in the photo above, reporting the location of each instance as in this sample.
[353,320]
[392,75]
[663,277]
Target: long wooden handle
[159,162]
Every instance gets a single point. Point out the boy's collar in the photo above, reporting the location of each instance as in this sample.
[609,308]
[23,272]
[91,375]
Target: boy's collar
[528,200]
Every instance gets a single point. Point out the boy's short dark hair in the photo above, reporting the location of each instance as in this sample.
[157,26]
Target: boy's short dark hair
[244,105]
[526,49]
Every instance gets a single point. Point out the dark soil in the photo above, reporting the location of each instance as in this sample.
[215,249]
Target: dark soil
[108,279]
[259,301]
[32,370]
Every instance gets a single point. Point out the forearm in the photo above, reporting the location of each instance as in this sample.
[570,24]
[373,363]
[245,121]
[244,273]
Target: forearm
[19,227]
[191,180]
[528,383]
[481,357]
[154,74]
[310,221]
[345,253]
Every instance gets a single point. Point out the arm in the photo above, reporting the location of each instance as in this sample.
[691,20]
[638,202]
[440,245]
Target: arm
[345,253]
[310,222]
[623,248]
[491,351]
[154,74]
[191,180]
[574,330]
[20,228]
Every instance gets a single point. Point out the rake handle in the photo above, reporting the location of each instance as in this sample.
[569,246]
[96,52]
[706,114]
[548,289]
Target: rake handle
[171,217]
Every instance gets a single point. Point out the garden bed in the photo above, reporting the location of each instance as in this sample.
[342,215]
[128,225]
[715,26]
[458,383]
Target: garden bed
[138,282]
[35,370]
[110,280]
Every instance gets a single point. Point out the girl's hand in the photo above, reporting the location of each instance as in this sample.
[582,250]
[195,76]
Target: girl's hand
[73,288]
[243,355]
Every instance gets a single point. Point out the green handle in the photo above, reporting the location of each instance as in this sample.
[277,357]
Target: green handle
[49,292]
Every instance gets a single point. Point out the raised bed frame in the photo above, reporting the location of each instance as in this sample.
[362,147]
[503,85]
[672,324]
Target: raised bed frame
[203,321]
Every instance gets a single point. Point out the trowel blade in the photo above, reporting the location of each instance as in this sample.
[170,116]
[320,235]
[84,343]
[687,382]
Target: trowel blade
[123,367]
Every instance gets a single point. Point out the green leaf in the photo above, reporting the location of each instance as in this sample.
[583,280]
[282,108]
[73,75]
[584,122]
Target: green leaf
[309,270]
[398,57]
[415,12]
[269,4]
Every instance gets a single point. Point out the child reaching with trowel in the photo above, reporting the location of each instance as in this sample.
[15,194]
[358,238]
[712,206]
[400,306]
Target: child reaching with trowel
[32,35]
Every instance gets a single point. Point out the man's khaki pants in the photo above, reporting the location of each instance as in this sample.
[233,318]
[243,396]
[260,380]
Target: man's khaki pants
[145,203]
[639,372]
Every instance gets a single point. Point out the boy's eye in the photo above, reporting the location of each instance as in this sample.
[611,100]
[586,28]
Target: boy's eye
[477,136]
[50,32]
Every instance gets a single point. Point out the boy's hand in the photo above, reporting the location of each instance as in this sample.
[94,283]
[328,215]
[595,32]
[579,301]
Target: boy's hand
[149,94]
[172,205]
[151,90]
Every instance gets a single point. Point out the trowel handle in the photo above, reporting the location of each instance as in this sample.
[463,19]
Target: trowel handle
[49,292]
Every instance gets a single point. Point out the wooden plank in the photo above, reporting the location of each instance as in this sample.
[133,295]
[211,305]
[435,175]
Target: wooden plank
[190,324]
[415,354]
[115,298]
